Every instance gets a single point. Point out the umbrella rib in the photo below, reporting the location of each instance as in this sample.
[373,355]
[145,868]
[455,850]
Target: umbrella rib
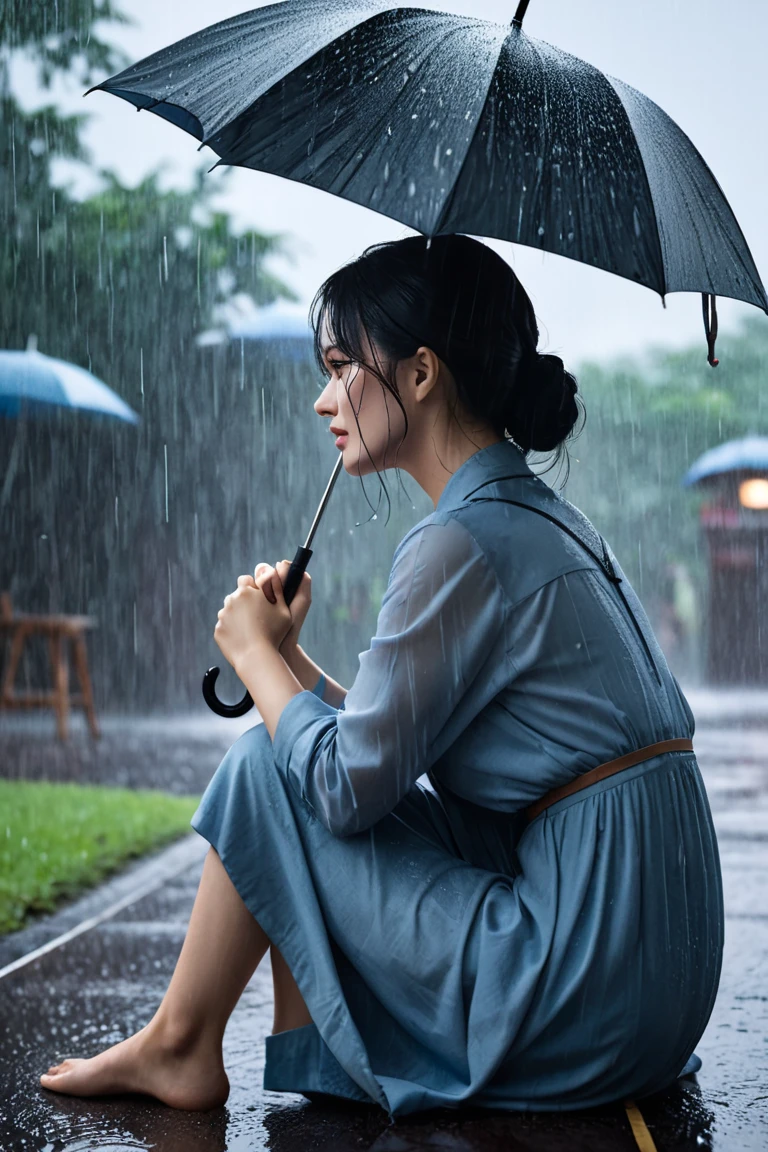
[460,167]
[289,68]
[659,249]
[606,80]
[449,197]
[648,186]
[375,127]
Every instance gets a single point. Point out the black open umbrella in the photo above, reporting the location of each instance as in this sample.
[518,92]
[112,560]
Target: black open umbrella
[452,124]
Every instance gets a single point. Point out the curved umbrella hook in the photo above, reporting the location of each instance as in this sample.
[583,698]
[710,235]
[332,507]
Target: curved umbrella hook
[218,706]
[292,582]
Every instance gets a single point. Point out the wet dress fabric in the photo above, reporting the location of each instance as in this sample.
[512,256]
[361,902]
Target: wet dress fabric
[448,951]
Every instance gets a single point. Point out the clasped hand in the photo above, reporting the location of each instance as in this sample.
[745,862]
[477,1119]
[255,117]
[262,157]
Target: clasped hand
[256,614]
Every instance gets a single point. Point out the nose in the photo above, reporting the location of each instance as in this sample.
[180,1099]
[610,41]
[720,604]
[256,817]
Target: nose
[325,405]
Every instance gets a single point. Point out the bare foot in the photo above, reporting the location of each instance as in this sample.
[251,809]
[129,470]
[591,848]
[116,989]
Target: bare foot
[181,1075]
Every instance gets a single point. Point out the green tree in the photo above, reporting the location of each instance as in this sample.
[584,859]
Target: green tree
[99,518]
[61,36]
[648,419]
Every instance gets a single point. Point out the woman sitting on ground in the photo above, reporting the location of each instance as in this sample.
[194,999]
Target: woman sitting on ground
[458,908]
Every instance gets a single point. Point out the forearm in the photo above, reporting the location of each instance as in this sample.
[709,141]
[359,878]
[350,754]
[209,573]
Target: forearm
[270,682]
[308,673]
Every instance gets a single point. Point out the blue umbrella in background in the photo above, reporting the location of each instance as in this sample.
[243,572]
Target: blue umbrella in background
[34,384]
[281,327]
[749,454]
[30,381]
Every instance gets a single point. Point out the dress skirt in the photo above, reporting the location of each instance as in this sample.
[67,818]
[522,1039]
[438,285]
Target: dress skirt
[451,954]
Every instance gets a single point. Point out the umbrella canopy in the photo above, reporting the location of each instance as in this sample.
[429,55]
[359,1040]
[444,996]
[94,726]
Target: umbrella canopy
[749,454]
[281,327]
[448,123]
[280,320]
[31,381]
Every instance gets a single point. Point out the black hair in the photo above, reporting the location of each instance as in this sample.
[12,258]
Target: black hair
[457,296]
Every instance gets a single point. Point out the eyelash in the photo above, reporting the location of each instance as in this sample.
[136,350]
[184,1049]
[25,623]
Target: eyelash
[333,364]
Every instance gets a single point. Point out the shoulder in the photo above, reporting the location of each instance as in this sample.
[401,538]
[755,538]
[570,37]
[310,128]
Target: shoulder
[443,535]
[442,552]
[441,577]
[521,539]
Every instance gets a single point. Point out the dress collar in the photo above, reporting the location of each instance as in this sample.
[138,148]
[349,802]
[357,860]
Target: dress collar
[494,462]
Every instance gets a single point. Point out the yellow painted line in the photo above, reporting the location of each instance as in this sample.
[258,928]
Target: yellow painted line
[642,1136]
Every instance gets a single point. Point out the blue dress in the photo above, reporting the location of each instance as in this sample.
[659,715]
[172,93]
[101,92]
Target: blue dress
[448,951]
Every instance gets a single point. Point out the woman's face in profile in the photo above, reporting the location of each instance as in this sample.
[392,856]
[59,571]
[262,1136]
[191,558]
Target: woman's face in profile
[358,403]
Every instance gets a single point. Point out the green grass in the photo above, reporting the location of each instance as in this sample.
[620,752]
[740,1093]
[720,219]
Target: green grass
[58,839]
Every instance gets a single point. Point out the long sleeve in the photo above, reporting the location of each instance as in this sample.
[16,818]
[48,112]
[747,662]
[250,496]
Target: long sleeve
[438,657]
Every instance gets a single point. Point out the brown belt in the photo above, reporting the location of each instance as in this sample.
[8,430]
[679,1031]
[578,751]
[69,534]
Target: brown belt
[679,744]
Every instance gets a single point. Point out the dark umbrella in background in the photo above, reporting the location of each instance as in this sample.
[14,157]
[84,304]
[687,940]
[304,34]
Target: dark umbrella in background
[449,124]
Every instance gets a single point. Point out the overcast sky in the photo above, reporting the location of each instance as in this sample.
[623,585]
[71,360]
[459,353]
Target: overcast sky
[703,61]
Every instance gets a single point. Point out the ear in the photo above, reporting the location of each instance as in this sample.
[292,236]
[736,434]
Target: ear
[427,370]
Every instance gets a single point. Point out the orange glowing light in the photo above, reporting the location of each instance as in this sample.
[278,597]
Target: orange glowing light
[754,493]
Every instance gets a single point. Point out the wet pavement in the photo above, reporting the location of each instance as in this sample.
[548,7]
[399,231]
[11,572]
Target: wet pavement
[121,941]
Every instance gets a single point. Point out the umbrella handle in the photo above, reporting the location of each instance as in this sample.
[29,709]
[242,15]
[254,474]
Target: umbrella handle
[290,588]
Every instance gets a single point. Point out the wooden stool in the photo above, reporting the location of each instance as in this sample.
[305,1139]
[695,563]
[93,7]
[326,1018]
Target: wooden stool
[58,629]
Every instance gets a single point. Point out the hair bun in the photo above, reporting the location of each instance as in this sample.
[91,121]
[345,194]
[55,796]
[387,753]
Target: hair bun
[545,410]
[459,297]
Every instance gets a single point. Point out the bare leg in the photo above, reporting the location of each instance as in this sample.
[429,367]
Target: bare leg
[177,1057]
[290,1009]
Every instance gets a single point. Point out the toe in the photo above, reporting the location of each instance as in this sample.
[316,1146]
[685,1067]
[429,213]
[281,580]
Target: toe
[55,1070]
